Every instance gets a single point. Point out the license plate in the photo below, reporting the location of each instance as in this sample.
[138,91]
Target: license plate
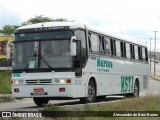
[36,90]
[39,93]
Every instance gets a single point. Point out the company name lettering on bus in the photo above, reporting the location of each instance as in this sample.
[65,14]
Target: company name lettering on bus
[16,74]
[126,84]
[103,65]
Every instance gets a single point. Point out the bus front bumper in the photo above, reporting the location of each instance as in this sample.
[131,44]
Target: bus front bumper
[45,91]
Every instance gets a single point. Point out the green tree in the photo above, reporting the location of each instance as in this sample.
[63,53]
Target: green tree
[40,19]
[9,29]
[37,19]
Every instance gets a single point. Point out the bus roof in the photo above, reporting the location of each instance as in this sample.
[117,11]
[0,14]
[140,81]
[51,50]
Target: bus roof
[73,25]
[54,24]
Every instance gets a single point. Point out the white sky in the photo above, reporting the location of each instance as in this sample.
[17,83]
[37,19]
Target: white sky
[134,19]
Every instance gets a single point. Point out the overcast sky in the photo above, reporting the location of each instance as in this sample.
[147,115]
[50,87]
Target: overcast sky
[134,19]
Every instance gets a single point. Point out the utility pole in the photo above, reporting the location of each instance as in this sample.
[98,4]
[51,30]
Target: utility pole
[150,53]
[155,54]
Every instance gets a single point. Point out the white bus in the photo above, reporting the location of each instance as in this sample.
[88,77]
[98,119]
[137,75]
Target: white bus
[68,60]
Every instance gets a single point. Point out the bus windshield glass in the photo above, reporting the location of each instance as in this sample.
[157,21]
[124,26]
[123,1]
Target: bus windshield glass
[42,54]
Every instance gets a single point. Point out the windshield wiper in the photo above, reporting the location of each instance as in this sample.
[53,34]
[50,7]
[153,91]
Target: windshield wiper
[46,62]
[33,57]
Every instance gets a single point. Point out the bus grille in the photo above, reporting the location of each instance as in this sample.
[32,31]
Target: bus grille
[39,82]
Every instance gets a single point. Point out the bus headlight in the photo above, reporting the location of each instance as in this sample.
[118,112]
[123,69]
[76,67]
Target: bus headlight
[63,81]
[17,82]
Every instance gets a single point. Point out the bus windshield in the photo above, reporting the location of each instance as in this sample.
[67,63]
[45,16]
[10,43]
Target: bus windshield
[42,54]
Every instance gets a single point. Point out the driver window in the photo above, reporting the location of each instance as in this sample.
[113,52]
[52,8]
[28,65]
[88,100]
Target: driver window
[80,35]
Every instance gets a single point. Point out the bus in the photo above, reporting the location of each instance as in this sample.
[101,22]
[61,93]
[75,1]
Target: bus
[69,60]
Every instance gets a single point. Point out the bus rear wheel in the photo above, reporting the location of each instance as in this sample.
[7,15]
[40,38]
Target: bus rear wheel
[136,90]
[91,94]
[40,101]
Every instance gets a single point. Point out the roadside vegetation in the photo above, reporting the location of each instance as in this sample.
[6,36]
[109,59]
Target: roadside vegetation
[5,82]
[5,86]
[146,104]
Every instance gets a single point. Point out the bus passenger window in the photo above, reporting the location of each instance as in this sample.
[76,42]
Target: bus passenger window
[118,50]
[128,55]
[136,52]
[146,53]
[100,45]
[106,46]
[113,47]
[132,51]
[140,52]
[143,54]
[95,43]
[123,49]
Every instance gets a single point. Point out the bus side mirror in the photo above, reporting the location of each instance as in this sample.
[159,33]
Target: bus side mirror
[8,50]
[73,49]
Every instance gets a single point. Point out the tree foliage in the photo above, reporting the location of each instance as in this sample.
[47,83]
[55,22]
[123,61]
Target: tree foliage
[9,29]
[37,19]
[40,19]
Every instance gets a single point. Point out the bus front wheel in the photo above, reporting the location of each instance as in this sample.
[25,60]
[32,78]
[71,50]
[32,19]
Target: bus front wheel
[40,101]
[91,94]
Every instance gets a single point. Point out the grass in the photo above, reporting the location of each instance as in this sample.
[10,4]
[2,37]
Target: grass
[5,82]
[5,86]
[149,103]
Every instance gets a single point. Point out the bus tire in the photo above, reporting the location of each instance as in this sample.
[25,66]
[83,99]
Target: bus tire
[40,101]
[128,95]
[91,94]
[136,89]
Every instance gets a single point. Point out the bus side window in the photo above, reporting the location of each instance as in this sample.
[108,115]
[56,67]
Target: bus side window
[140,52]
[146,53]
[132,51]
[128,55]
[136,52]
[123,49]
[106,45]
[100,45]
[118,49]
[89,41]
[113,47]
[95,41]
[143,54]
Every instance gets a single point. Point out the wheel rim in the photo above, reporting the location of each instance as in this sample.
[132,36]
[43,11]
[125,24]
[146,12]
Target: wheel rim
[90,92]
